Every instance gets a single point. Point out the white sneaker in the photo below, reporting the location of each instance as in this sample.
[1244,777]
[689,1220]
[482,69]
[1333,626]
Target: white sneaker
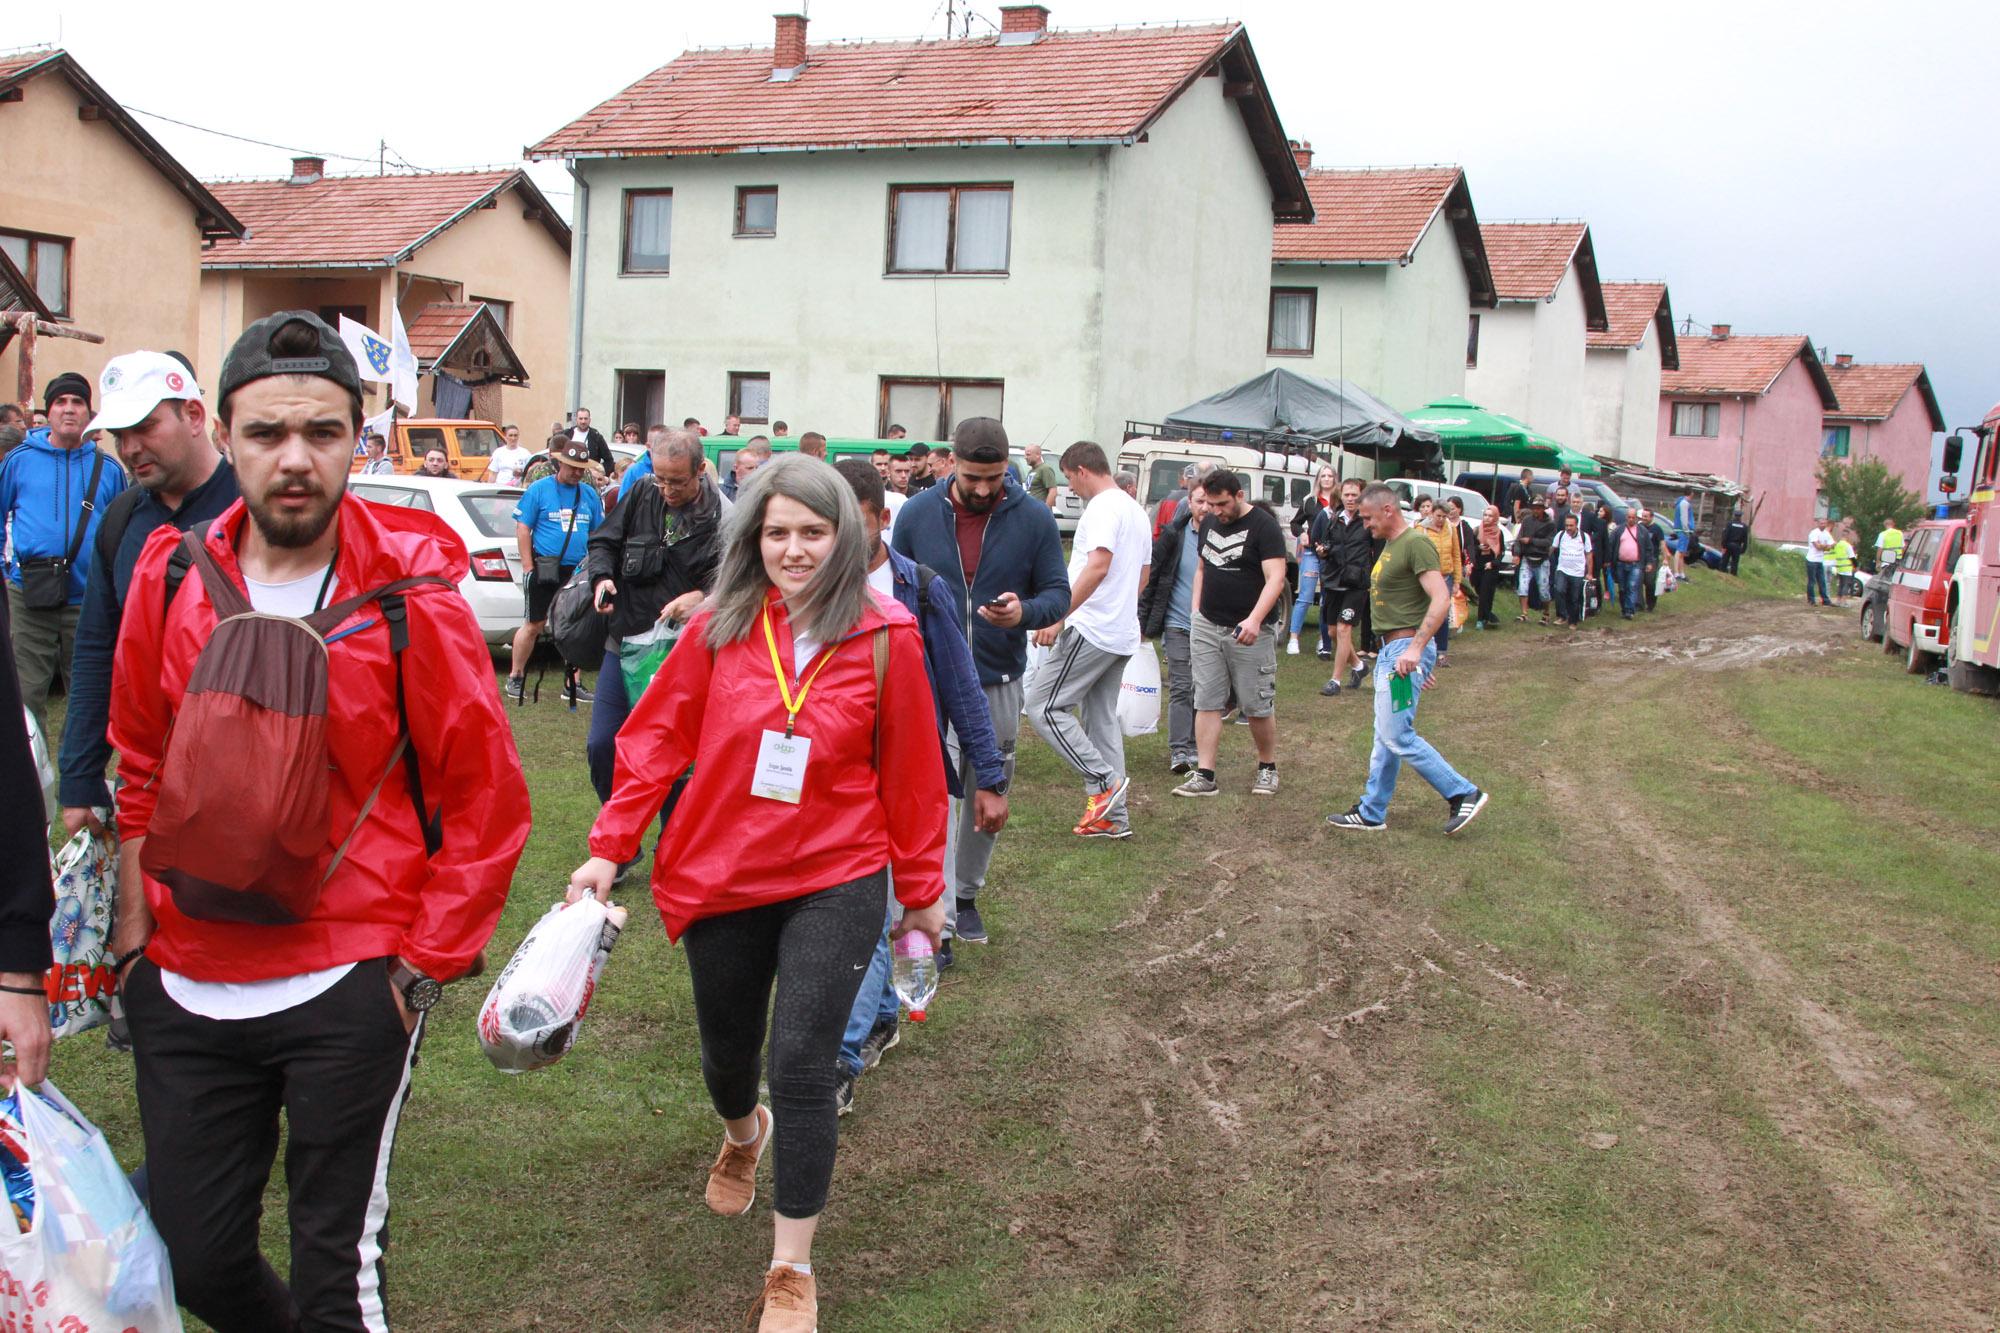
[1292,648]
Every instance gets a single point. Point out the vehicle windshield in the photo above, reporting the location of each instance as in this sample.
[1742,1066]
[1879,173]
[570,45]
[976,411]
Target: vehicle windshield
[492,511]
[477,441]
[399,496]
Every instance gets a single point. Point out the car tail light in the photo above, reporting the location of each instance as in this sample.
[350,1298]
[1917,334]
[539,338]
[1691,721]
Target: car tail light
[491,567]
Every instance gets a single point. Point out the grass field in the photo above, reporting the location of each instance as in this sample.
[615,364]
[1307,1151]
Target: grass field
[1695,1028]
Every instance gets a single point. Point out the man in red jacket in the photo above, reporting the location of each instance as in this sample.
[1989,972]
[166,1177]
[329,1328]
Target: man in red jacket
[233,1021]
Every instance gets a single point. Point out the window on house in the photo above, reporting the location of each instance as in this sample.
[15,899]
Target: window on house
[950,228]
[44,262]
[1833,444]
[642,397]
[649,226]
[1698,419]
[1471,341]
[503,311]
[1293,314]
[1824,512]
[931,408]
[332,313]
[750,396]
[757,210]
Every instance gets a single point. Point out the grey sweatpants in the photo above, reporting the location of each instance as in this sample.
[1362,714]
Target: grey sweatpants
[1180,694]
[967,851]
[44,642]
[1080,676]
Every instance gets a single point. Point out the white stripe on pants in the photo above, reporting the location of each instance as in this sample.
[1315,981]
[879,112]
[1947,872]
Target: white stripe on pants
[1081,676]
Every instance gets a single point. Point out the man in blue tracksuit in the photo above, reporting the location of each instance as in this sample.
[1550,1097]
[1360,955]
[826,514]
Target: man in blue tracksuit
[53,491]
[961,707]
[1000,554]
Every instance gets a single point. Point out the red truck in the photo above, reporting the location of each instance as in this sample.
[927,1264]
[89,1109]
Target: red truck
[1972,609]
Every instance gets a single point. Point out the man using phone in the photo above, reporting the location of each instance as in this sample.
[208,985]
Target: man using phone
[1238,585]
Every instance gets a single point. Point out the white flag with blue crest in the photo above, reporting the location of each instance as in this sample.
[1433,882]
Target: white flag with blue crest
[374,357]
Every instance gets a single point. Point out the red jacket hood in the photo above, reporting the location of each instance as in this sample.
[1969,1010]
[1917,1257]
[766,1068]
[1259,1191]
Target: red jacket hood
[378,544]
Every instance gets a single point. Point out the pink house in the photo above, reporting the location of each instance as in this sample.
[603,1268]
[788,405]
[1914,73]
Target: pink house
[1751,409]
[1886,412]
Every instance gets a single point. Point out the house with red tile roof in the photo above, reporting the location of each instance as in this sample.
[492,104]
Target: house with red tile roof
[98,218]
[1379,287]
[1063,229]
[1622,363]
[1526,356]
[1887,411]
[443,246]
[1750,408]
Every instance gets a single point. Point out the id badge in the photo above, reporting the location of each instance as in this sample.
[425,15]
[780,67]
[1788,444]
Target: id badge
[781,767]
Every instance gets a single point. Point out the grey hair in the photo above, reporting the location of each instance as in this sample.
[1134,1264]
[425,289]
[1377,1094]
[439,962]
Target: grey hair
[833,600]
[1377,493]
[666,445]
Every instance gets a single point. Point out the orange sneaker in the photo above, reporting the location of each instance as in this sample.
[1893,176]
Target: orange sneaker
[1096,807]
[732,1181]
[789,1303]
[1103,828]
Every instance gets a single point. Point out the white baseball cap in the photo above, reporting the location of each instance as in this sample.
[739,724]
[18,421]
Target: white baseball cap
[134,384]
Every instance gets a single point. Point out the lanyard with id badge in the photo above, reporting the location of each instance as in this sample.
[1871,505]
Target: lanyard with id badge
[780,774]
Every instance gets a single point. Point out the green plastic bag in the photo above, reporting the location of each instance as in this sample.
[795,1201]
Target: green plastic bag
[1402,691]
[640,655]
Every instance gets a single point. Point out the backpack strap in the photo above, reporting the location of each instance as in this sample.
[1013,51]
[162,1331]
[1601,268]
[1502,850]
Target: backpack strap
[179,562]
[397,614]
[925,574]
[117,519]
[223,594]
[881,646]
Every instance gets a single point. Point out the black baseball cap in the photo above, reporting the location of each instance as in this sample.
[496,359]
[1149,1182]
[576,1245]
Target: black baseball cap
[254,356]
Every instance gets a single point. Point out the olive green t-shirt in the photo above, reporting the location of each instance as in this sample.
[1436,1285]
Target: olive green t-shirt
[1395,588]
[1043,480]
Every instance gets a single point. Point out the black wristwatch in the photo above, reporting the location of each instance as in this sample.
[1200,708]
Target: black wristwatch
[419,992]
[998,789]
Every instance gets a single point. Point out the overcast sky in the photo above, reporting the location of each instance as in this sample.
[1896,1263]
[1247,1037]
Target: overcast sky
[1832,170]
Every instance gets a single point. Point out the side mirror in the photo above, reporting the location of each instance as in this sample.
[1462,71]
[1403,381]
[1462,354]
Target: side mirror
[1949,481]
[1954,454]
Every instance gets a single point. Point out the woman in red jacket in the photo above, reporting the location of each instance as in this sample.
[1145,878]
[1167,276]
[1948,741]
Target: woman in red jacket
[793,693]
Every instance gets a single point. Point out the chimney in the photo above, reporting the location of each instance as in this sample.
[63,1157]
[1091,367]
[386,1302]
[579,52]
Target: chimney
[1024,18]
[1844,359]
[790,56]
[1718,331]
[1302,153]
[306,170]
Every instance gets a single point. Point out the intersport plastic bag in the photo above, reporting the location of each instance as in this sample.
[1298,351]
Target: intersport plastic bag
[1036,656]
[88,1259]
[531,1016]
[79,981]
[640,657]
[1139,693]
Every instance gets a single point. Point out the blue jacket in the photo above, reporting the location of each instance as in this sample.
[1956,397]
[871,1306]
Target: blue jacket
[85,748]
[1021,554]
[961,704]
[41,500]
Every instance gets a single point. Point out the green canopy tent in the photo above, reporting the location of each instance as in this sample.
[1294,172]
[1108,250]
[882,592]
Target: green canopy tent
[1468,433]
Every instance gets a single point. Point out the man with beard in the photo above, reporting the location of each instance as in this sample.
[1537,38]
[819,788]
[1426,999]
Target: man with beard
[320,1017]
[583,433]
[154,410]
[1000,553]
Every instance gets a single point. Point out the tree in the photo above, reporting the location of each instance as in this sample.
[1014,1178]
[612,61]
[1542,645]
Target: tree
[1866,494]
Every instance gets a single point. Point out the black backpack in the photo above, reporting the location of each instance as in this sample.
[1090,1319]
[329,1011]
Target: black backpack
[576,628]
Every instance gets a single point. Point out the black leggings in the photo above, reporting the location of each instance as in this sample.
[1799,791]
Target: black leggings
[817,948]
[1485,579]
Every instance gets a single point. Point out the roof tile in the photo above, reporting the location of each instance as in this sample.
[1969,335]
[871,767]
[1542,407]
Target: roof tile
[1365,215]
[1631,308]
[344,219]
[1529,259]
[1871,392]
[1738,364]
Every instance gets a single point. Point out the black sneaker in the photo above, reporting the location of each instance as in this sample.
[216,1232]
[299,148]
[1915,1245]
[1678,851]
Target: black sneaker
[1464,809]
[944,959]
[1182,766]
[517,689]
[880,1038]
[625,871]
[1354,820]
[969,928]
[1326,654]
[843,1092]
[1331,688]
[1360,670]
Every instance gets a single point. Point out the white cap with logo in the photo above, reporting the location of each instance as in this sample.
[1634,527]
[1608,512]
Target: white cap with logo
[134,384]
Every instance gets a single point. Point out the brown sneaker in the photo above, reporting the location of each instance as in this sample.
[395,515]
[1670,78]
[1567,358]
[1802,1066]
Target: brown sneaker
[790,1303]
[732,1181]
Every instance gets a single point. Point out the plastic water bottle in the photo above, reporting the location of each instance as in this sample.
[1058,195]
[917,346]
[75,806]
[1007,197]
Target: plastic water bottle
[915,976]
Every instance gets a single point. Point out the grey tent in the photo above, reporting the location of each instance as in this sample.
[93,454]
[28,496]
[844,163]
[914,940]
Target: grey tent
[1282,405]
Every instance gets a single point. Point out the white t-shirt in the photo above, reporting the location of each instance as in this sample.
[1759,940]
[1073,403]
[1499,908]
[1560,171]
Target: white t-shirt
[257,999]
[893,501]
[1814,555]
[882,578]
[1114,522]
[1571,552]
[507,462]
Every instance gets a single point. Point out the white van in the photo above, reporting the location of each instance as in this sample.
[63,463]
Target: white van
[1281,480]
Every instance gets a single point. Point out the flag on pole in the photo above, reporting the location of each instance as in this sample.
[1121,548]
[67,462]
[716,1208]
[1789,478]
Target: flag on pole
[382,424]
[373,354]
[403,362]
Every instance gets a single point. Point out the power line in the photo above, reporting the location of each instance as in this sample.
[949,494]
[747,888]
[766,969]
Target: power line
[261,143]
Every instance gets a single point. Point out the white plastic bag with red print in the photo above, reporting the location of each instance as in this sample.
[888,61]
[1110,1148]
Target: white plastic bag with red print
[77,1252]
[79,979]
[531,1016]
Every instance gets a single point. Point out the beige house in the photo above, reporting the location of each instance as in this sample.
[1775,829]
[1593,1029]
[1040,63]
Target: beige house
[1380,288]
[98,219]
[1621,372]
[477,262]
[1525,357]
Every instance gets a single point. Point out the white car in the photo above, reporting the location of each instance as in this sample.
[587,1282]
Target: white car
[482,514]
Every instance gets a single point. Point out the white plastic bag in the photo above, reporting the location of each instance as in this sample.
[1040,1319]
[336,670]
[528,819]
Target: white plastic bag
[532,1014]
[79,981]
[1139,693]
[89,1260]
[1036,656]
[45,769]
[1663,582]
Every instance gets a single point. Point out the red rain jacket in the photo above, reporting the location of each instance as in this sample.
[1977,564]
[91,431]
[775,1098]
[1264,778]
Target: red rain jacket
[725,850]
[385,897]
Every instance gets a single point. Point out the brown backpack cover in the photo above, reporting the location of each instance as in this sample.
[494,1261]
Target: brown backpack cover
[239,829]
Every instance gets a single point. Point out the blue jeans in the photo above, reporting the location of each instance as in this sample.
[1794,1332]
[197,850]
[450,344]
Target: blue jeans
[874,1003]
[1397,742]
[1569,598]
[1816,578]
[1309,595]
[1628,587]
[1444,630]
[607,715]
